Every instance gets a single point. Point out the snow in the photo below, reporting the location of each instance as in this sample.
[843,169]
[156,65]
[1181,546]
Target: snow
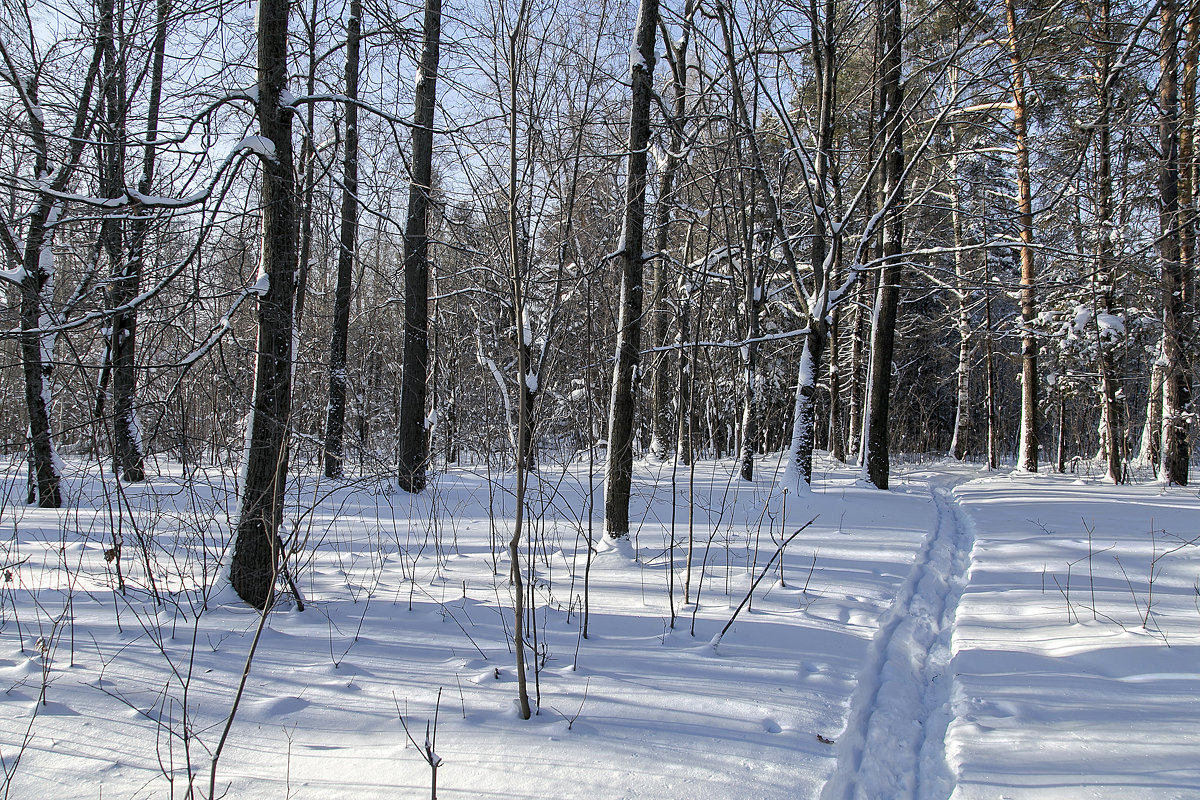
[1111,326]
[262,284]
[964,635]
[1083,315]
[260,145]
[637,61]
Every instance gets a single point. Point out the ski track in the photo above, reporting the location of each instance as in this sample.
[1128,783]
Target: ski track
[894,742]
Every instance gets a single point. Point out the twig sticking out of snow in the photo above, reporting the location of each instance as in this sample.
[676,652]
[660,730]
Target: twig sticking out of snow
[716,640]
[428,750]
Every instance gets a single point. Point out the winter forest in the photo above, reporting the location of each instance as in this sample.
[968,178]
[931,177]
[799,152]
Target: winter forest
[670,398]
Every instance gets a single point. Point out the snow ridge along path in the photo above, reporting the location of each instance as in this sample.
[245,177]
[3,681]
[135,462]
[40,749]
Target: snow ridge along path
[893,744]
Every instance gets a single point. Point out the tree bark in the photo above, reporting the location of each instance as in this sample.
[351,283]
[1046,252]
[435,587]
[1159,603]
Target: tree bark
[1103,291]
[750,427]
[37,283]
[414,442]
[128,452]
[618,469]
[962,296]
[1175,450]
[798,471]
[1027,457]
[662,429]
[837,439]
[335,418]
[256,550]
[887,298]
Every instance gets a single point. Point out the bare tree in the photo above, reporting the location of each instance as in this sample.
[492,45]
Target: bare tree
[256,553]
[34,257]
[1175,448]
[618,469]
[876,463]
[1027,457]
[335,419]
[414,440]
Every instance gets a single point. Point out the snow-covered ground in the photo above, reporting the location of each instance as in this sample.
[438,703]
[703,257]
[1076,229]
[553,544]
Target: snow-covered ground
[964,634]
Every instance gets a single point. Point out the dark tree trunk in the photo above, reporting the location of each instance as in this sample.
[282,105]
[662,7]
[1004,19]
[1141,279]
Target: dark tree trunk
[128,455]
[37,357]
[1103,283]
[335,420]
[414,441]
[1175,450]
[618,470]
[256,553]
[883,331]
[308,163]
[37,284]
[750,410]
[837,438]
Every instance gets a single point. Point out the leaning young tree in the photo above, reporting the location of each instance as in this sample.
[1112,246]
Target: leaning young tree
[33,270]
[256,553]
[618,469]
[676,53]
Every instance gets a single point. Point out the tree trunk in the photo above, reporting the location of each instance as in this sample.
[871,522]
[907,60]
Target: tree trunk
[837,441]
[1150,449]
[37,354]
[414,443]
[1175,450]
[128,453]
[859,331]
[750,427]
[993,403]
[618,469]
[308,162]
[335,418]
[256,550]
[662,430]
[883,330]
[1103,291]
[523,440]
[798,471]
[1027,458]
[36,342]
[867,285]
[1060,453]
[962,296]
[685,414]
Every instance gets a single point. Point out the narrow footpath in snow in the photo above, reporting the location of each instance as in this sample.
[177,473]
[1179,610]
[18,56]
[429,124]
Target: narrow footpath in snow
[893,745]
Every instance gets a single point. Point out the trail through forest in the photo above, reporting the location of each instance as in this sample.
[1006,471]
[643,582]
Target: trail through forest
[893,744]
